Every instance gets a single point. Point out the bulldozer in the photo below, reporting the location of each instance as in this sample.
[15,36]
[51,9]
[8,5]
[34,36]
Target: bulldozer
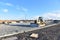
[40,22]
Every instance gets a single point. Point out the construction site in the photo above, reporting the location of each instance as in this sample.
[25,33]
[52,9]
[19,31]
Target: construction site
[30,29]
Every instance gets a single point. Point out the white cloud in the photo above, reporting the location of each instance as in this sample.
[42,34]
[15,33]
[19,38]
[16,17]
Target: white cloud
[5,10]
[55,15]
[24,9]
[52,15]
[34,17]
[7,4]
[21,9]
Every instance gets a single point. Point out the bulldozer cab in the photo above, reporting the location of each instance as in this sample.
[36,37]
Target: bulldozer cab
[40,21]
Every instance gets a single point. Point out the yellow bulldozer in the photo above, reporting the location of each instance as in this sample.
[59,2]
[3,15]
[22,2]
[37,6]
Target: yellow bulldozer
[40,21]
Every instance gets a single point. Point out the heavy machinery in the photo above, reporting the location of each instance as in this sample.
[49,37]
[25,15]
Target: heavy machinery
[40,21]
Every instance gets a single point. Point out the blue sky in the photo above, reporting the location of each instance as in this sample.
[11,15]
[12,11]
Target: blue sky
[29,9]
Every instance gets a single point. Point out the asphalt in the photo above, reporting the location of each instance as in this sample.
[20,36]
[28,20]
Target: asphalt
[49,33]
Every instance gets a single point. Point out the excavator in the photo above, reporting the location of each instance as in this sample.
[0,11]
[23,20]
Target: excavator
[40,21]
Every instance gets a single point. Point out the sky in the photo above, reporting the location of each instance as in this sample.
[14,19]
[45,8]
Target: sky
[29,9]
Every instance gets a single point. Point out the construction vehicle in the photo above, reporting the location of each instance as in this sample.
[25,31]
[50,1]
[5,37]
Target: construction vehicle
[40,22]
